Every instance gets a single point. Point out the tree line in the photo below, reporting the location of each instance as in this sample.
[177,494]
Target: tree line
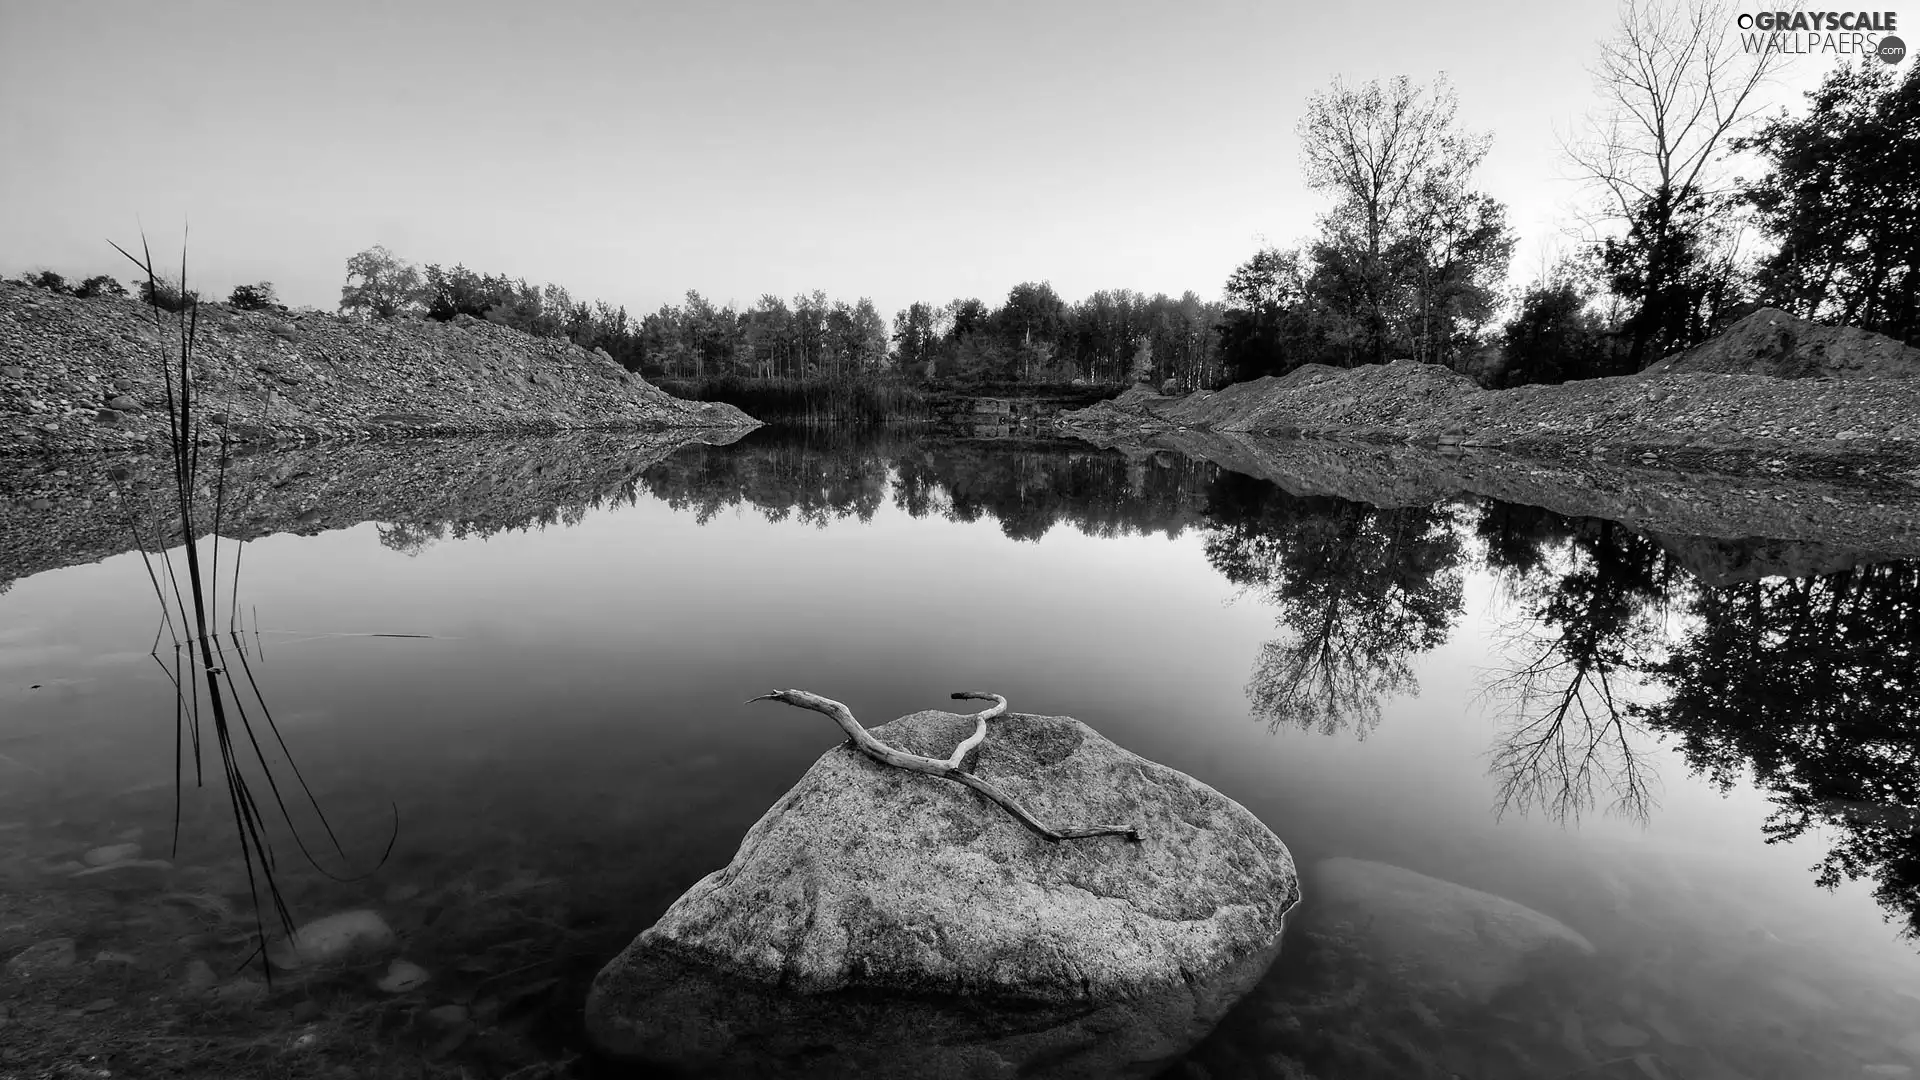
[1410,260]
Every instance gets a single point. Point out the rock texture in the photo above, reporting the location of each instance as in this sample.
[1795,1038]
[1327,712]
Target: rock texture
[1436,935]
[1773,343]
[903,900]
[83,375]
[1853,398]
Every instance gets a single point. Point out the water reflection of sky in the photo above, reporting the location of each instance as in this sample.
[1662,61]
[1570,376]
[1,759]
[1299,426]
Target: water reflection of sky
[577,707]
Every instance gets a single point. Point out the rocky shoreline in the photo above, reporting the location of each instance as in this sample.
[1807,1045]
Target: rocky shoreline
[83,376]
[1813,401]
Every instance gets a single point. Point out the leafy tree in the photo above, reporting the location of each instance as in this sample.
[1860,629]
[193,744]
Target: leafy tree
[99,285]
[1409,255]
[1555,337]
[167,295]
[1839,201]
[258,296]
[916,339]
[1032,323]
[1455,255]
[1270,324]
[50,281]
[460,291]
[379,284]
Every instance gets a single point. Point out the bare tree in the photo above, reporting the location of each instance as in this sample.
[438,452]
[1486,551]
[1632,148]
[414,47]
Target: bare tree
[1676,86]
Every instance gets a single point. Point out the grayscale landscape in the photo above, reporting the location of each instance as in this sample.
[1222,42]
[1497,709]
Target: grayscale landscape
[1400,556]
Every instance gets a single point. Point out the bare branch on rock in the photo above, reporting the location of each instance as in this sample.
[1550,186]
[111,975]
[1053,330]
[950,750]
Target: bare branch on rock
[952,768]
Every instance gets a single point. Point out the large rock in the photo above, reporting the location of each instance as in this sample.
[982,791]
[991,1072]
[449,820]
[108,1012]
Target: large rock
[1436,936]
[879,922]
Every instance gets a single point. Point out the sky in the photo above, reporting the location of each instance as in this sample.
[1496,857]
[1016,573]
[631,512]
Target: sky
[895,150]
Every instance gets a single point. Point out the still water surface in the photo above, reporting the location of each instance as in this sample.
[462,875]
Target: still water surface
[1551,710]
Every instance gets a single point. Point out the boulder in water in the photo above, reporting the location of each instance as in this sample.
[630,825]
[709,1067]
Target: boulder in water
[883,922]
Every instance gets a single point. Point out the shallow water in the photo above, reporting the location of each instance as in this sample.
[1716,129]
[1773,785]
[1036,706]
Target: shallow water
[565,749]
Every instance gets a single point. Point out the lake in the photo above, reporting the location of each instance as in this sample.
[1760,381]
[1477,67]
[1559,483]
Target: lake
[1698,755]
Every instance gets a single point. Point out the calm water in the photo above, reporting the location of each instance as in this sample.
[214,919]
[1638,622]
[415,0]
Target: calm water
[1550,710]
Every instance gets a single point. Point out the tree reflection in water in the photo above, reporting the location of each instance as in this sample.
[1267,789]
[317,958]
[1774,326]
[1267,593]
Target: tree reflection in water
[1808,686]
[1800,680]
[1586,611]
[1360,591]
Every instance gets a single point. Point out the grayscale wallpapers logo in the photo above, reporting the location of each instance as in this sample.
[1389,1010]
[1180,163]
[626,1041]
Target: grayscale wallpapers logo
[1829,33]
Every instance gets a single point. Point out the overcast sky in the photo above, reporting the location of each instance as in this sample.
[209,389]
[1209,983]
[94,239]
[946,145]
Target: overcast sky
[631,152]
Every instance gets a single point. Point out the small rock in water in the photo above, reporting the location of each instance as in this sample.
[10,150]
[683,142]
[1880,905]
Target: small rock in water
[99,1005]
[111,853]
[334,937]
[105,957]
[35,960]
[241,990]
[448,1015]
[200,975]
[1621,1035]
[117,869]
[402,976]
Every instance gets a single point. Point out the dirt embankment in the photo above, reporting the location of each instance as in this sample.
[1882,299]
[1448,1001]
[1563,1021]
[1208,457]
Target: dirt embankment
[85,376]
[84,508]
[1807,398]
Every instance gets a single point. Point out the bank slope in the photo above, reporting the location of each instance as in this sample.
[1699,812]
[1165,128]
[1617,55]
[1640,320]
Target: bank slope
[83,375]
[1850,402]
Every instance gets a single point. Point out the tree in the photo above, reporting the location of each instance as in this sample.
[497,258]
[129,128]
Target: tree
[1456,254]
[1396,240]
[99,285]
[1277,316]
[915,339]
[258,296]
[1032,323]
[50,281]
[1839,201]
[1555,337]
[379,284]
[1675,89]
[167,295]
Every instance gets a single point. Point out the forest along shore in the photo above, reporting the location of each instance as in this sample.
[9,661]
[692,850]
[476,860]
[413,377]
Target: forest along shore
[83,375]
[1773,395]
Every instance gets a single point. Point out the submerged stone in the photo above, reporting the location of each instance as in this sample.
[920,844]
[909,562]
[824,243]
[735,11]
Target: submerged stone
[111,853]
[402,976]
[335,937]
[34,961]
[1434,934]
[877,921]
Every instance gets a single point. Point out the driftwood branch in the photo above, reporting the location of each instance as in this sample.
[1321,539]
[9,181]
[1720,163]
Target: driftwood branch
[951,768]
